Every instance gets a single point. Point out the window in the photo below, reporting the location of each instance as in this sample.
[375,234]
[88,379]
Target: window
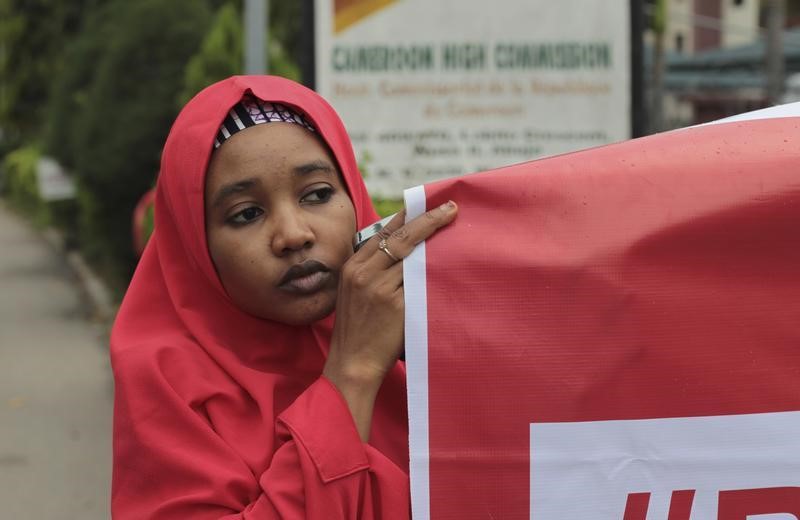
[679,42]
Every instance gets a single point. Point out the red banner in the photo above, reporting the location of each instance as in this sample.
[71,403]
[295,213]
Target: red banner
[613,334]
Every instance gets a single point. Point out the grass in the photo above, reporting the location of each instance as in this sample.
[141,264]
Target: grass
[386,207]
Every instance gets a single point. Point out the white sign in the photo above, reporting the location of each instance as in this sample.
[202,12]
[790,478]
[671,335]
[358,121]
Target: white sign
[52,180]
[435,89]
[689,468]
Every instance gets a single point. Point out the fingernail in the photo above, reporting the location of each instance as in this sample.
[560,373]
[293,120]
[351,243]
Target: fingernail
[447,206]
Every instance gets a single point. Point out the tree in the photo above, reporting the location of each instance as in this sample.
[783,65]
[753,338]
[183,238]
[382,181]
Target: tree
[222,53]
[286,27]
[70,95]
[138,55]
[33,34]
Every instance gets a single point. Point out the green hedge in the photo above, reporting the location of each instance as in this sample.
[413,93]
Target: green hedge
[112,113]
[20,186]
[21,190]
[222,54]
[97,84]
[386,207]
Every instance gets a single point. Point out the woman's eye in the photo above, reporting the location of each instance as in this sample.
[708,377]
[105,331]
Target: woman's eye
[246,215]
[318,195]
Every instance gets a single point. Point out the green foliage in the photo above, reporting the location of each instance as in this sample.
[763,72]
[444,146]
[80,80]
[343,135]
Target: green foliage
[364,163]
[96,82]
[149,222]
[655,12]
[126,109]
[222,54]
[279,61]
[20,185]
[386,207]
[660,16]
[70,96]
[33,34]
[285,27]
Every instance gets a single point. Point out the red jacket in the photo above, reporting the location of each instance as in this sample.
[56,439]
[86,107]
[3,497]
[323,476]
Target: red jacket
[222,415]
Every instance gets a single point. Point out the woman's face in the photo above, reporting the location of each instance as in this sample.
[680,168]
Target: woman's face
[279,222]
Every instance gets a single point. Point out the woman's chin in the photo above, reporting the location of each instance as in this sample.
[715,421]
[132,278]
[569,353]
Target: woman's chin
[308,318]
[299,314]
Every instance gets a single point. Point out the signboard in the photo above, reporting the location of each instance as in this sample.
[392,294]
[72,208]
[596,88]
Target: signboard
[613,334]
[430,90]
[53,182]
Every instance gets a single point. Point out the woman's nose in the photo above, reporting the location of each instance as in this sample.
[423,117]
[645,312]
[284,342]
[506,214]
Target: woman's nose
[292,232]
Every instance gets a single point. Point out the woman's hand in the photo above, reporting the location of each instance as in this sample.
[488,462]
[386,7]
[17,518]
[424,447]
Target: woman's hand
[368,334]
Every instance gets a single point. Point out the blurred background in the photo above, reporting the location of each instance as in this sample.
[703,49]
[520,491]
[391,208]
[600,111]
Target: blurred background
[89,89]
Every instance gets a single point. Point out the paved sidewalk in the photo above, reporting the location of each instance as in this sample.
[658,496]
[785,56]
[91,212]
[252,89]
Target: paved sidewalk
[56,387]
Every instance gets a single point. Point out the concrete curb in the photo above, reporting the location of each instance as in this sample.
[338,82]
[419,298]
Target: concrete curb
[100,300]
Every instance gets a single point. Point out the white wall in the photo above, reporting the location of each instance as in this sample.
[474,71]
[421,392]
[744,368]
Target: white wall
[740,22]
[679,22]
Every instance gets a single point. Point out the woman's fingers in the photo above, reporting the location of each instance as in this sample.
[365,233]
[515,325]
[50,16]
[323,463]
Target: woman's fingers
[367,337]
[396,243]
[372,244]
[393,277]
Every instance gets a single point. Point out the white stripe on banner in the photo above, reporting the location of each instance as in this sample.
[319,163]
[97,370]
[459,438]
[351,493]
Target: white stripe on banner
[416,296]
[788,110]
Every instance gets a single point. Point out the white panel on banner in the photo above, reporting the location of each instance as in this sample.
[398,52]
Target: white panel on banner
[601,470]
[434,89]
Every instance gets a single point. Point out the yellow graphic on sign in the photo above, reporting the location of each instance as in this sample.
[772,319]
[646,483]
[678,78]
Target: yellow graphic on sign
[349,12]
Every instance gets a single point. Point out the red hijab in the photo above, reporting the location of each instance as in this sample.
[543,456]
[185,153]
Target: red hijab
[219,414]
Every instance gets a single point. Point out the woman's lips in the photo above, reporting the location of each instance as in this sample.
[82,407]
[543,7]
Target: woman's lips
[308,284]
[305,278]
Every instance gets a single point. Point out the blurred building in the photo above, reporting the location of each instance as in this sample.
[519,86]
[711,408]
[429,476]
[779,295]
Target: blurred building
[691,91]
[698,25]
[714,58]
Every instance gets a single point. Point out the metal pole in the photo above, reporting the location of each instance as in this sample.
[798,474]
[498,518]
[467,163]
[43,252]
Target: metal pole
[776,21]
[657,78]
[255,28]
[638,105]
[307,52]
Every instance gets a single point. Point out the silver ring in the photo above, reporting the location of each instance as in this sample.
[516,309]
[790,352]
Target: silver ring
[383,246]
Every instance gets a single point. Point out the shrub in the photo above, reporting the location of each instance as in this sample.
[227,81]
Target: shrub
[33,34]
[135,60]
[20,185]
[70,96]
[222,54]
[386,207]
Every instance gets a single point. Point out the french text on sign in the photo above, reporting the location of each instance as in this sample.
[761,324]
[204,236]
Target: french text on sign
[735,467]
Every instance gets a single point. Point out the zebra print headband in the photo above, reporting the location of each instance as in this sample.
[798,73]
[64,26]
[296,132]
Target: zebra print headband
[251,111]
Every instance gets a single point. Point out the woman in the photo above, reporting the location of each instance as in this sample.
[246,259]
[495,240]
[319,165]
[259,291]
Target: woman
[238,394]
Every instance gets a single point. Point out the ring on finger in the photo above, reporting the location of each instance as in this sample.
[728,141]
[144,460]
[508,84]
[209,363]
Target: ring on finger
[383,246]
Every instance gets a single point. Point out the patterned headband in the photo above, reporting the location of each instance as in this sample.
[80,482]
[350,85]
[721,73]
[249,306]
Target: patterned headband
[251,111]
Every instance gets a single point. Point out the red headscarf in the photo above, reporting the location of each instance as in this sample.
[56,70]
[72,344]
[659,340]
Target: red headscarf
[219,414]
